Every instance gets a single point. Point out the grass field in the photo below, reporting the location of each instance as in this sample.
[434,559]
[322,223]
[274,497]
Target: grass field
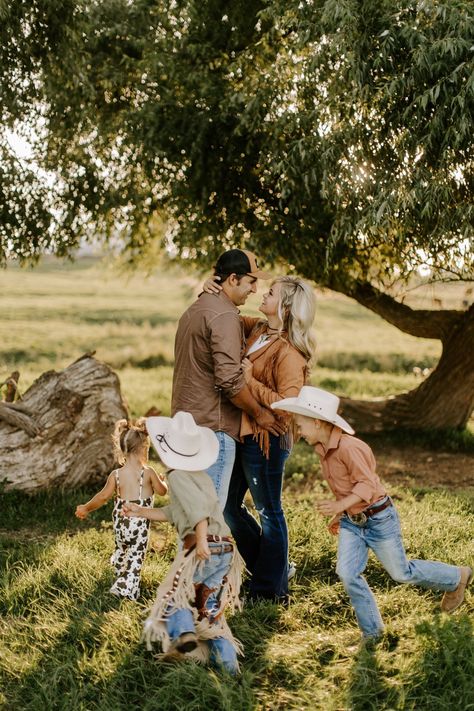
[66,644]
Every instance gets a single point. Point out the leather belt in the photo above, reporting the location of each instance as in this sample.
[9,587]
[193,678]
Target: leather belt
[190,540]
[376,509]
[360,519]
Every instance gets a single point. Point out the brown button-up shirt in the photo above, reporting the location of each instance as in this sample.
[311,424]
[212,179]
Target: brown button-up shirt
[209,346]
[348,466]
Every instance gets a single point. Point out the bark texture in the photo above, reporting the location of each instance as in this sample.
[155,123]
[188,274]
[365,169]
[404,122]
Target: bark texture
[59,434]
[445,399]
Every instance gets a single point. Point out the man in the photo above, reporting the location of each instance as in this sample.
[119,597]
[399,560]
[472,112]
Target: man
[208,380]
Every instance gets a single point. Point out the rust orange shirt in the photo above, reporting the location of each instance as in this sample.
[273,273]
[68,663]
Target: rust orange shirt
[348,466]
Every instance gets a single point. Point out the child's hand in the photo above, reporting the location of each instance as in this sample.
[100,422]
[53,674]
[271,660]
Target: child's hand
[82,511]
[202,550]
[328,508]
[212,286]
[333,525]
[130,509]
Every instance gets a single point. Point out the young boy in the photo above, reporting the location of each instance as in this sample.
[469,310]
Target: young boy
[363,513]
[188,614]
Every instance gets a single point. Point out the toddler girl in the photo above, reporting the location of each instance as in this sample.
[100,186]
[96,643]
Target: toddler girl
[137,482]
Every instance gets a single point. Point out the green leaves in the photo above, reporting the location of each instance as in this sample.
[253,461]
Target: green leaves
[319,132]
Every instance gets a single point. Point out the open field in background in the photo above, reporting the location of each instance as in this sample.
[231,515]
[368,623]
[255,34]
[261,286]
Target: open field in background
[51,315]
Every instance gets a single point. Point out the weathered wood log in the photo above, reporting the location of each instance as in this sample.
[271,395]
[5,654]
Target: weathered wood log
[18,417]
[60,433]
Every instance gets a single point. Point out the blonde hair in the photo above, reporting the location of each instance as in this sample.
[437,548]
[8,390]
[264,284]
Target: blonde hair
[129,437]
[297,309]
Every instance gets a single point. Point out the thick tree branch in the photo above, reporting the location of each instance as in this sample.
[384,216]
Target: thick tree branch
[423,323]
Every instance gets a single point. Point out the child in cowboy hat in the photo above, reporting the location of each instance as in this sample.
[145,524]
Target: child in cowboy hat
[188,614]
[363,512]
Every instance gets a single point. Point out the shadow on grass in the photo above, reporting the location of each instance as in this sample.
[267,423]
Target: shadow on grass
[440,677]
[80,669]
[368,689]
[443,676]
[83,670]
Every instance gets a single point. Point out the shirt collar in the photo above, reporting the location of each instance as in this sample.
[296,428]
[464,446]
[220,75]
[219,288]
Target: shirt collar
[333,442]
[221,295]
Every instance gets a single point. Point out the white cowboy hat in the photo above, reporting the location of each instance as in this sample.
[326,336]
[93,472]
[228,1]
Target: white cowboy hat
[317,403]
[181,443]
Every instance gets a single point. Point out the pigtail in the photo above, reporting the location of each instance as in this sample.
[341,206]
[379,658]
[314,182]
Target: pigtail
[129,436]
[120,429]
[140,424]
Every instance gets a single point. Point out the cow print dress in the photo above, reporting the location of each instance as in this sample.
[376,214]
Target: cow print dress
[131,541]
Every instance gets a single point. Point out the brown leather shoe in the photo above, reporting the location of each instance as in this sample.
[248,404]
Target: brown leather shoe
[452,600]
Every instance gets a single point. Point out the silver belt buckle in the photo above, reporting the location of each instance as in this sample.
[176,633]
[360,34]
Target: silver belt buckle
[359,519]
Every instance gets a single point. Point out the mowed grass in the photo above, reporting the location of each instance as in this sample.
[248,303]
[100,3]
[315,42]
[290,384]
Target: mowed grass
[51,315]
[68,644]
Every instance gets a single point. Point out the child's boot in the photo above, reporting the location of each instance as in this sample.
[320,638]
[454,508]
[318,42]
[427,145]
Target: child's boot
[185,643]
[452,600]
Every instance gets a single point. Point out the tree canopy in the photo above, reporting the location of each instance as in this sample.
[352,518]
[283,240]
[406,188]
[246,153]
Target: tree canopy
[333,134]
[337,129]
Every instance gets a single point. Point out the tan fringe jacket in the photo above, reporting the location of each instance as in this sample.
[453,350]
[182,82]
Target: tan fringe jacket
[279,371]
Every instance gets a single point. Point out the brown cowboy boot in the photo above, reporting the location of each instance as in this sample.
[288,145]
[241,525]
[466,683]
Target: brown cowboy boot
[202,593]
[452,600]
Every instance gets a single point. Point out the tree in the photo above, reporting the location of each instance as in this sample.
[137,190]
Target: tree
[335,135]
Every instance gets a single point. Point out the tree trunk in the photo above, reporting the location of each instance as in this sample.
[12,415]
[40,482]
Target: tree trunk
[444,400]
[60,433]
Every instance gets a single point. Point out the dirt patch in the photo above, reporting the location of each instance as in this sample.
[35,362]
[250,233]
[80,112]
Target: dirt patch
[415,466]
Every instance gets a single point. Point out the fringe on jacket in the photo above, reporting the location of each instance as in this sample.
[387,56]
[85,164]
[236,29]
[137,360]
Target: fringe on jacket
[270,357]
[177,591]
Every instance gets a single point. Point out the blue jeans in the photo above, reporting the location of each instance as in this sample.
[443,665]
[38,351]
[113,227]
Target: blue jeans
[210,573]
[382,534]
[264,546]
[220,472]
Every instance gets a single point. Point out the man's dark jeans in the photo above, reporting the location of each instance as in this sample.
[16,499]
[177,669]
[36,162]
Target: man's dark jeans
[264,547]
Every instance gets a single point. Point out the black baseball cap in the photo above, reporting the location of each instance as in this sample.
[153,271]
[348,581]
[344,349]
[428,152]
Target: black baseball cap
[240,261]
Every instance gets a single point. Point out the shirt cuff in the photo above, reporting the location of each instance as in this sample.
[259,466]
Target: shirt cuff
[365,491]
[232,389]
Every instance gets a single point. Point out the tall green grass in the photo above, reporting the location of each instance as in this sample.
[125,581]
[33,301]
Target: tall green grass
[67,644]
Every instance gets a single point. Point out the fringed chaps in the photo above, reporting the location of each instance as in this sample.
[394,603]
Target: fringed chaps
[178,591]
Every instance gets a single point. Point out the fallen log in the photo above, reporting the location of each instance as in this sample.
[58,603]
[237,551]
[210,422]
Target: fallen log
[59,434]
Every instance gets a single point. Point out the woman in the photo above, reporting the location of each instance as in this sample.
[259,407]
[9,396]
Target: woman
[278,352]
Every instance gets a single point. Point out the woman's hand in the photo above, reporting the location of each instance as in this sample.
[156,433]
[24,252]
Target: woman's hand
[247,367]
[212,285]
